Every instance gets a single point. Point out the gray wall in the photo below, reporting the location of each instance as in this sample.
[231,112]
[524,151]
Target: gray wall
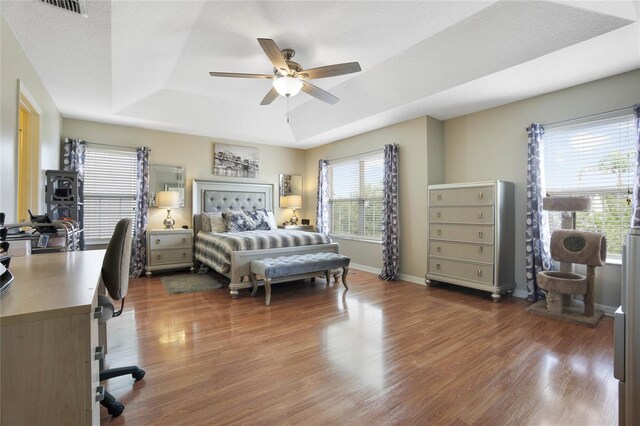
[420,161]
[195,153]
[16,67]
[492,144]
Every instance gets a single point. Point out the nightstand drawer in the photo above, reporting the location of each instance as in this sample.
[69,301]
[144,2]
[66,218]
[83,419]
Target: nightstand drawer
[165,241]
[161,257]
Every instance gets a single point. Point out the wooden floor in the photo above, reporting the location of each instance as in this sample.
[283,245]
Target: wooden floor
[380,353]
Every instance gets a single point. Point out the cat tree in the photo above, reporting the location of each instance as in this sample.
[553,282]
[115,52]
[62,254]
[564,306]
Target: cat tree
[570,247]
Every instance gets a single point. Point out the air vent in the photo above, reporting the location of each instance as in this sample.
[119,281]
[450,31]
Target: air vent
[74,6]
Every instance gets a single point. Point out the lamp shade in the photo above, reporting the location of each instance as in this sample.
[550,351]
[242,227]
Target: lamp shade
[292,201]
[287,86]
[168,199]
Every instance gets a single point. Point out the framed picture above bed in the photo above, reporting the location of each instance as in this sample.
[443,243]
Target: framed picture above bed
[235,161]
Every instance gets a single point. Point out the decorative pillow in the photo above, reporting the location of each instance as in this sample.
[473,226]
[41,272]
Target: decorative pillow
[260,218]
[273,225]
[238,221]
[213,222]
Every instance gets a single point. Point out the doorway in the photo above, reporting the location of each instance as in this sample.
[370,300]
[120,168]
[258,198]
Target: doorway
[28,161]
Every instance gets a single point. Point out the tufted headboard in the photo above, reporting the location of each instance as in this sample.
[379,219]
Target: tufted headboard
[212,196]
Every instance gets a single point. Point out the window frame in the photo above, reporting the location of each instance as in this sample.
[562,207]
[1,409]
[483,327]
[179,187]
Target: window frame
[361,199]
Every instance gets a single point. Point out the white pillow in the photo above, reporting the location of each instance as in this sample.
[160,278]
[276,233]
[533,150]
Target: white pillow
[213,222]
[272,221]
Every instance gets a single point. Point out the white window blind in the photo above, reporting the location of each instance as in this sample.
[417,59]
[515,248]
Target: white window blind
[355,197]
[595,159]
[110,191]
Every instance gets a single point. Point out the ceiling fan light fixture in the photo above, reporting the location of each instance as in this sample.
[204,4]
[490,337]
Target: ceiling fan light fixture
[287,86]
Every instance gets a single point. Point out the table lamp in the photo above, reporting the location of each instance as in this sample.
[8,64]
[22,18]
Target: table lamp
[168,200]
[293,202]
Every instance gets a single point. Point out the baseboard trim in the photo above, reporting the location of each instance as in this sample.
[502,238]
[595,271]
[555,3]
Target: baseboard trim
[520,294]
[403,277]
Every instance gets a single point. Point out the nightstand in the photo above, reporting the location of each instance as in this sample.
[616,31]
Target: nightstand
[169,249]
[307,228]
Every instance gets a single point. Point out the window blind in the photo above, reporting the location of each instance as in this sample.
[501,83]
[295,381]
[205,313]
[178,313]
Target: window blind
[355,196]
[110,191]
[595,159]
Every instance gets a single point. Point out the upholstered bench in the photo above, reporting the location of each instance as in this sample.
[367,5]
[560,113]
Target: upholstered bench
[299,265]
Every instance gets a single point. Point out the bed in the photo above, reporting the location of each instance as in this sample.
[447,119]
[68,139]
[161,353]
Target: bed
[242,248]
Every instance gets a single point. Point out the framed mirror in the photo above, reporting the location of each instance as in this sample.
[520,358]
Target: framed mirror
[165,178]
[290,188]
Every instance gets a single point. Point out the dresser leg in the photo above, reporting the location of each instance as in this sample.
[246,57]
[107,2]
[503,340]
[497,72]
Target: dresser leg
[233,293]
[148,274]
[496,297]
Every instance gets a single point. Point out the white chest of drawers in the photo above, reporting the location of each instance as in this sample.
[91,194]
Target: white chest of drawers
[169,249]
[471,236]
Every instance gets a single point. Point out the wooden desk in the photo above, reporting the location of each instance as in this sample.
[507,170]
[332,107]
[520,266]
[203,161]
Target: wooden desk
[49,337]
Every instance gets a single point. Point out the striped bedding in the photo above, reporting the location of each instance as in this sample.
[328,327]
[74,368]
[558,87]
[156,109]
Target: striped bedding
[214,249]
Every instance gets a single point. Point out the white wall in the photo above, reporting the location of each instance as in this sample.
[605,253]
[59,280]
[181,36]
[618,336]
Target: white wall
[492,144]
[195,153]
[420,163]
[15,67]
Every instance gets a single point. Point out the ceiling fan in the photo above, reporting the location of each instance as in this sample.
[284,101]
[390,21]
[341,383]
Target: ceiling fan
[289,77]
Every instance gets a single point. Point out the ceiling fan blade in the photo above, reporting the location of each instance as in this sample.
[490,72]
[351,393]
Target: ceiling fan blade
[330,70]
[275,55]
[270,97]
[317,92]
[240,75]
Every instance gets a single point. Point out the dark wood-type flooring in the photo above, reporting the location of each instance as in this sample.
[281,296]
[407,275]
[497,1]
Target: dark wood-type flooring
[380,353]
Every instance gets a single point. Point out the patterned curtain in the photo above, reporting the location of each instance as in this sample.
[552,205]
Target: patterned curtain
[390,216]
[74,153]
[138,244]
[537,237]
[322,214]
[635,217]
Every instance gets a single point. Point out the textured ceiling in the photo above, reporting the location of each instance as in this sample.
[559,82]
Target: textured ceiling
[146,63]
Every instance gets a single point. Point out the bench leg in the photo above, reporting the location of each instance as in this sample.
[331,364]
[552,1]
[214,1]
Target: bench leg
[254,281]
[267,290]
[327,276]
[345,271]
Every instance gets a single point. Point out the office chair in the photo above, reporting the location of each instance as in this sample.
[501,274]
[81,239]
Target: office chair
[115,277]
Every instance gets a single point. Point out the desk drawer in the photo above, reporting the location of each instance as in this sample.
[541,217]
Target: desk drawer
[460,196]
[164,241]
[465,233]
[162,257]
[480,214]
[461,270]
[463,251]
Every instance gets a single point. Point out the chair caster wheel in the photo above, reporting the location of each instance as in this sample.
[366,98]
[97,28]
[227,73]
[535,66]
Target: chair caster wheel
[116,410]
[139,375]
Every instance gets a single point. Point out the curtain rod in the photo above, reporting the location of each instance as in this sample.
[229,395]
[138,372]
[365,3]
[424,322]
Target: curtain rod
[356,155]
[128,148]
[587,116]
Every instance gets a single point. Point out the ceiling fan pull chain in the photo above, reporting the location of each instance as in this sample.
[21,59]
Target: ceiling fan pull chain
[287,109]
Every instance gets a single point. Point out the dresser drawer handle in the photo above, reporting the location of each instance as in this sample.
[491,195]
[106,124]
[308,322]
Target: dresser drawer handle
[438,249]
[184,240]
[480,196]
[438,214]
[99,353]
[479,272]
[437,266]
[480,234]
[439,232]
[481,249]
[439,197]
[184,255]
[158,257]
[100,393]
[479,215]
[158,241]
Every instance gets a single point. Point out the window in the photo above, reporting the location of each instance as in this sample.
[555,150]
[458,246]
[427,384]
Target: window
[597,160]
[110,191]
[355,197]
